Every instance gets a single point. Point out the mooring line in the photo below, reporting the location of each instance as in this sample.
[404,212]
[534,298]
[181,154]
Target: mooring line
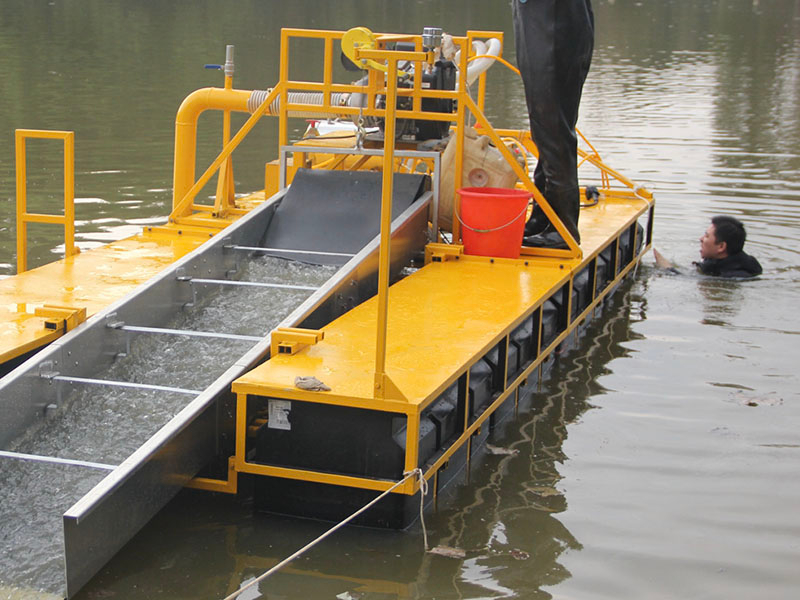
[423,488]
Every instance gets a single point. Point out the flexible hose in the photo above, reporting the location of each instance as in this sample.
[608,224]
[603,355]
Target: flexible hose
[487,52]
[310,98]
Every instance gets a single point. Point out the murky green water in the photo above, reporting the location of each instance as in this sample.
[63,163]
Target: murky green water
[661,459]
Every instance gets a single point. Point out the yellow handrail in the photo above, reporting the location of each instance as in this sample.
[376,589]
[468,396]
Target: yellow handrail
[23,216]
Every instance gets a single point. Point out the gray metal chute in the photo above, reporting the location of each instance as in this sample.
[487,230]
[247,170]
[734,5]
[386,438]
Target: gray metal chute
[150,467]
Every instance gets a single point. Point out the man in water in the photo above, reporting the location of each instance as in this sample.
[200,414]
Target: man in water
[721,248]
[554,42]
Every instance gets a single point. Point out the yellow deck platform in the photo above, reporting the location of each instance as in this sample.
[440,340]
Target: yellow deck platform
[89,281]
[440,319]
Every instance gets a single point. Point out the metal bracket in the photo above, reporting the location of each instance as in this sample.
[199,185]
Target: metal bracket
[290,340]
[60,318]
[443,252]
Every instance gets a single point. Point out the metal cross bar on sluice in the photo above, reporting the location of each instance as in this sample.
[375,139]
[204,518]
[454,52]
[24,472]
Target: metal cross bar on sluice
[125,384]
[57,461]
[287,251]
[188,332]
[285,286]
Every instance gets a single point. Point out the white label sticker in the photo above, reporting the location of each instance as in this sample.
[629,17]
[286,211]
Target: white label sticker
[279,414]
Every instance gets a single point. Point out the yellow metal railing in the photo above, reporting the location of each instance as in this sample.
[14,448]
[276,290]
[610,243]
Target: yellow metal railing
[23,216]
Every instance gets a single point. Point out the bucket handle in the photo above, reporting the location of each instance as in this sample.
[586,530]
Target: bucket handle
[524,210]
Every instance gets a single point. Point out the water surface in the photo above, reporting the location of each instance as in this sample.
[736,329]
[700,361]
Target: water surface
[659,461]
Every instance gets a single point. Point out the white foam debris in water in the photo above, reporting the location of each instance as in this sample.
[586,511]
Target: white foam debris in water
[106,424]
[90,201]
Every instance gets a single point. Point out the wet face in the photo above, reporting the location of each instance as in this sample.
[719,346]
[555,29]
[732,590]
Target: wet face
[710,247]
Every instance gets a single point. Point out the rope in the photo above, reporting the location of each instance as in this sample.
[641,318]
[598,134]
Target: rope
[423,486]
[423,489]
[361,133]
[637,192]
[524,210]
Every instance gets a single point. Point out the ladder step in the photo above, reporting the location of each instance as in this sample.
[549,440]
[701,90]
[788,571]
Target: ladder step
[57,461]
[287,251]
[189,332]
[125,384]
[284,286]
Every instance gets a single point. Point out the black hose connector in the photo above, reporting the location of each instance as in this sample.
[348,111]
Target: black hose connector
[592,196]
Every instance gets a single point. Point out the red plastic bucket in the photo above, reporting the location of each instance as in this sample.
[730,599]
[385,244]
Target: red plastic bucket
[493,220]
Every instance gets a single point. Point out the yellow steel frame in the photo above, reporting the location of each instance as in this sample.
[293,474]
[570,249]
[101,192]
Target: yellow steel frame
[224,200]
[386,395]
[23,216]
[228,99]
[413,411]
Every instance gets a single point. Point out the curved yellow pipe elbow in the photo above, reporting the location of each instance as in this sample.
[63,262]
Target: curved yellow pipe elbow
[186,131]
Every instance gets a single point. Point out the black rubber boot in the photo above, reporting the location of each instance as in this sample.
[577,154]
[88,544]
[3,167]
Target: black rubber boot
[567,206]
[538,222]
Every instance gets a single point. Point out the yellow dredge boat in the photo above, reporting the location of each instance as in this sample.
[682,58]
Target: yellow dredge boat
[391,366]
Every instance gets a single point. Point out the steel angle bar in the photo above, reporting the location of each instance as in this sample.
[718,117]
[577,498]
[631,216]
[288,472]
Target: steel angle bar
[284,286]
[189,332]
[55,460]
[125,384]
[287,251]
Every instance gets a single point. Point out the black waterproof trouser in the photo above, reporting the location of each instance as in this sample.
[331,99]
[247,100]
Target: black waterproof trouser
[554,41]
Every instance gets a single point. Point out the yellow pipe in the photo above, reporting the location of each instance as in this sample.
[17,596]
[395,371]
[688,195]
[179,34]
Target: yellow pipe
[186,131]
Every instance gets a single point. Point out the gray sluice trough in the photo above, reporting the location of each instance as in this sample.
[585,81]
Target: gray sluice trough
[102,521]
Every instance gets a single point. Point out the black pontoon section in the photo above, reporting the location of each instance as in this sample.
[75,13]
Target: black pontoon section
[329,218]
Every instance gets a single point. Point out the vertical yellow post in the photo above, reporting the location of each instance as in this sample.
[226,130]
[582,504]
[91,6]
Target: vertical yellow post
[327,70]
[283,76]
[225,186]
[240,457]
[460,130]
[412,441]
[69,193]
[386,222]
[22,204]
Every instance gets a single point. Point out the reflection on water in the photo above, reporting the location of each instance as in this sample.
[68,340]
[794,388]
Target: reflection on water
[660,463]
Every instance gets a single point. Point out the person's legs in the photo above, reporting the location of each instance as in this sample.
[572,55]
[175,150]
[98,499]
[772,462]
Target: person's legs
[554,41]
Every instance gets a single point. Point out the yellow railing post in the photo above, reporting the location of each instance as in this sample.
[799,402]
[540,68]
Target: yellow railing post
[383,383]
[225,196]
[386,221]
[23,216]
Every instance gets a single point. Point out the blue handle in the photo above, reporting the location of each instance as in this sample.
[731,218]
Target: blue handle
[217,67]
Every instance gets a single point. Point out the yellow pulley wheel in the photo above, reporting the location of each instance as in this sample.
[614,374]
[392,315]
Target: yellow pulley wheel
[361,37]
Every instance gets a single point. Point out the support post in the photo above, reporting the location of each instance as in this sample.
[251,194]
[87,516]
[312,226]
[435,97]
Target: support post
[386,220]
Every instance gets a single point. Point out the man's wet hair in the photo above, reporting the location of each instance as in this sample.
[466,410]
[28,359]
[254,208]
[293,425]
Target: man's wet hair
[731,231]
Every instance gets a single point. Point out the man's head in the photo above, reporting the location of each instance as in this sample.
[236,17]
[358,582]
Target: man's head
[724,237]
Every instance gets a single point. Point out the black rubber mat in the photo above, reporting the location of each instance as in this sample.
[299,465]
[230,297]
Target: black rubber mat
[336,211]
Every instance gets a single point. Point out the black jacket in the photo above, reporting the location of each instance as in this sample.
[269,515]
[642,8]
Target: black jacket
[740,264]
